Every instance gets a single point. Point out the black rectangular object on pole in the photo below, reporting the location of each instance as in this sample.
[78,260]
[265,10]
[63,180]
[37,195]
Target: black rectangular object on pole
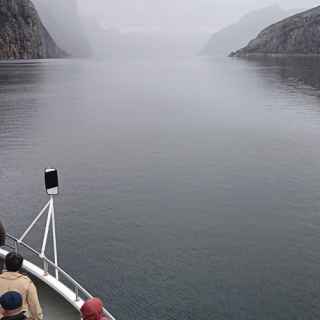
[51,178]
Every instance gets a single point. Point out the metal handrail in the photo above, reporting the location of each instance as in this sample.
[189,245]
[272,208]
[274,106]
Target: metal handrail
[45,260]
[78,290]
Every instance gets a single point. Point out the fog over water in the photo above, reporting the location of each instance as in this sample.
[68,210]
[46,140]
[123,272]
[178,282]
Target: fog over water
[178,15]
[108,27]
[189,184]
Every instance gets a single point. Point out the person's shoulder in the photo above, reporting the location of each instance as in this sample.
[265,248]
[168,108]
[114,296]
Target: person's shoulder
[13,275]
[24,277]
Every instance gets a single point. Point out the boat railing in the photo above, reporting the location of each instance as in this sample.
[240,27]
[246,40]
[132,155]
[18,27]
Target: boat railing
[76,293]
[80,293]
[77,289]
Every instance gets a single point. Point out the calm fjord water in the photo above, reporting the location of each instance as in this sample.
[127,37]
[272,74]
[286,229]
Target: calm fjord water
[190,187]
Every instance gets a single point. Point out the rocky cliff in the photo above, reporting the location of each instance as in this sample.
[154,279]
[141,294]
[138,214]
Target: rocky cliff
[296,35]
[22,35]
[240,33]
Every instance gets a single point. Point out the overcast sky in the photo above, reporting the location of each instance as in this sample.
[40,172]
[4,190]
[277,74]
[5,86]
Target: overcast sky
[178,15]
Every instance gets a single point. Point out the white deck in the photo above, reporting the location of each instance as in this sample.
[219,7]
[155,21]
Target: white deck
[57,300]
[54,306]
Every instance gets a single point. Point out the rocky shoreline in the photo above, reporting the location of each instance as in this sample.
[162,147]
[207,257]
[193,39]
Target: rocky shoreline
[273,55]
[296,35]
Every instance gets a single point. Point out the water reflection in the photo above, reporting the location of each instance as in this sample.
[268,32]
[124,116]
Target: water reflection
[189,180]
[18,84]
[299,72]
[13,73]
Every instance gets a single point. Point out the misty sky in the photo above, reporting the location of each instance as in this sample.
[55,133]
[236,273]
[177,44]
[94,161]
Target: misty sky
[178,15]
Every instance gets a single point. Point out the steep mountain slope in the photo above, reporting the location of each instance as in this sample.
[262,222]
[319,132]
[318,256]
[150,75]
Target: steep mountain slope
[239,34]
[299,34]
[22,35]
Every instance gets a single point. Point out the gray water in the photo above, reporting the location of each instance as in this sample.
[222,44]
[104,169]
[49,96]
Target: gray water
[190,187]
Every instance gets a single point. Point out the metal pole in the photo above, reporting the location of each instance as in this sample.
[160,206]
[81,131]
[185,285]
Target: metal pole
[45,238]
[54,238]
[34,222]
[45,267]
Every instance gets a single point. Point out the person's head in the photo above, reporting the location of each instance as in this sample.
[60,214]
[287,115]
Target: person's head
[13,261]
[11,303]
[92,309]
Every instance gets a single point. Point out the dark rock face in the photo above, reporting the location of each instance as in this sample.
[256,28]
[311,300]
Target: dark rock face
[22,35]
[296,35]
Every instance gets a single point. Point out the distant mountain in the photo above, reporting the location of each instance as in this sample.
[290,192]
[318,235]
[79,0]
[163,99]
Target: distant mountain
[116,43]
[113,42]
[137,43]
[62,19]
[295,35]
[239,34]
[22,35]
